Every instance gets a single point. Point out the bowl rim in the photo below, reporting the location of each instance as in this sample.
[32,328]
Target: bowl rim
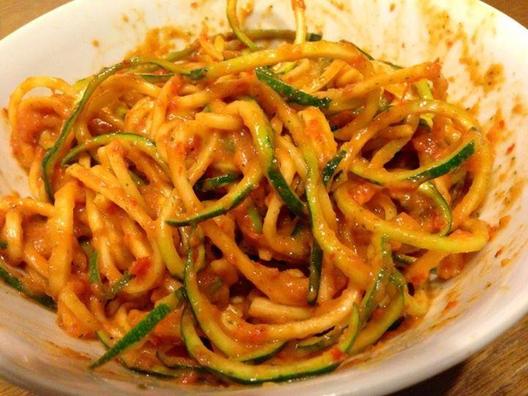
[334,384]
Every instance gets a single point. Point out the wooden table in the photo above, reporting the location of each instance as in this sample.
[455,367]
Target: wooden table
[500,369]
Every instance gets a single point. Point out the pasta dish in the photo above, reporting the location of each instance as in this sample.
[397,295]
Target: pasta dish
[258,206]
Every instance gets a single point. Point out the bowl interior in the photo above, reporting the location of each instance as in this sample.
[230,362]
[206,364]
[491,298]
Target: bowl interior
[479,48]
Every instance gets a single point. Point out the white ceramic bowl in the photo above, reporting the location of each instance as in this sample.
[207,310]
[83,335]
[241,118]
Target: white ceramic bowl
[470,37]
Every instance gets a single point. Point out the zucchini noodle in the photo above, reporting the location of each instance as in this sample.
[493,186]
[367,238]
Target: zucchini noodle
[241,211]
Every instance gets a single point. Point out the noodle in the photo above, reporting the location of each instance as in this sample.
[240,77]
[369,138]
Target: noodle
[286,196]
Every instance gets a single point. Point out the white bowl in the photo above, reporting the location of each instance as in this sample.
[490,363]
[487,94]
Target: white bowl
[469,37]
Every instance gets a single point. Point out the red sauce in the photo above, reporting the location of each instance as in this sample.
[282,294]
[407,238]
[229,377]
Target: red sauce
[444,33]
[514,193]
[499,252]
[159,41]
[418,279]
[99,126]
[189,377]
[451,266]
[168,330]
[428,145]
[503,223]
[80,285]
[505,262]
[253,334]
[337,355]
[140,267]
[362,192]
[378,314]
[518,108]
[493,77]
[496,131]
[450,305]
